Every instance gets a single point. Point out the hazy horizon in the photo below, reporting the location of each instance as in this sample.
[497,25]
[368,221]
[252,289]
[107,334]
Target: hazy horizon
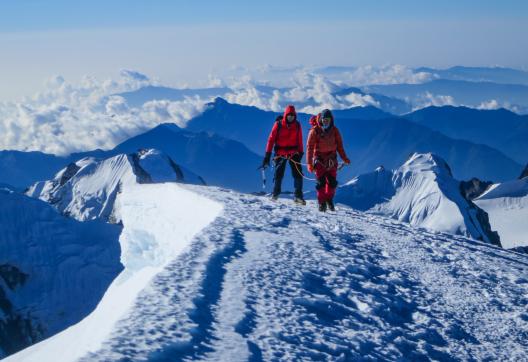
[184,43]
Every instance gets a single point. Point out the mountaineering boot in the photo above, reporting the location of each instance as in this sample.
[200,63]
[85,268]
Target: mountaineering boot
[330,204]
[274,197]
[299,201]
[322,206]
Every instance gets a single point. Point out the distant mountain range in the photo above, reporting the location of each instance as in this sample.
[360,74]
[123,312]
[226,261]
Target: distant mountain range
[480,74]
[474,94]
[500,129]
[371,138]
[226,143]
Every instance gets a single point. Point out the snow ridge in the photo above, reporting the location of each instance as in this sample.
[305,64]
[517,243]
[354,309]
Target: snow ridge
[268,281]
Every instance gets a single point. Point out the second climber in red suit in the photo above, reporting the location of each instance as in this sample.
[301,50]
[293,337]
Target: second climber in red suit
[323,145]
[286,140]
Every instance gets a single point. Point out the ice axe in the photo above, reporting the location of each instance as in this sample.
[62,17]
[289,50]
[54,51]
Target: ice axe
[263,174]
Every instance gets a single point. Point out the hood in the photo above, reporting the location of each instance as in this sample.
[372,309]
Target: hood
[320,116]
[290,109]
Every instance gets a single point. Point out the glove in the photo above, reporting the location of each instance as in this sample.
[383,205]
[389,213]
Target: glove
[346,161]
[266,161]
[310,168]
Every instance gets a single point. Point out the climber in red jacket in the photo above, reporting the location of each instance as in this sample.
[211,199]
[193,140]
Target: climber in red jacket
[286,139]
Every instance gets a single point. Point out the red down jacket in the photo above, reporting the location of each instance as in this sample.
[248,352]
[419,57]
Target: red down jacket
[288,139]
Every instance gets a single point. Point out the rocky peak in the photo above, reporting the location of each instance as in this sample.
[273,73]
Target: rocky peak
[524,173]
[474,188]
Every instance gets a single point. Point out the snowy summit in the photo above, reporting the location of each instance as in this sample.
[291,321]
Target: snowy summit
[421,192]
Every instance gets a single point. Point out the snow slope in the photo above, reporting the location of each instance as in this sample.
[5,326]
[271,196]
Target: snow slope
[272,281]
[53,270]
[507,206]
[87,189]
[159,221]
[421,192]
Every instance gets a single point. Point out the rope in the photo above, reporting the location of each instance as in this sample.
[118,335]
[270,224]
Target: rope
[296,164]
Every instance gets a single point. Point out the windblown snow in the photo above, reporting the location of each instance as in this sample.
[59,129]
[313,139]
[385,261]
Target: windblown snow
[273,281]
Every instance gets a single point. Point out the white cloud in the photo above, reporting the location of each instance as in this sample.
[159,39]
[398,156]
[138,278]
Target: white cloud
[493,104]
[428,99]
[310,92]
[489,105]
[178,112]
[69,118]
[361,100]
[370,75]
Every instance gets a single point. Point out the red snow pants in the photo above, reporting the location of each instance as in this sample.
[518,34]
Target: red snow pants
[326,182]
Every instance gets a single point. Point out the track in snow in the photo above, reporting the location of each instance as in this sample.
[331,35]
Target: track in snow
[273,281]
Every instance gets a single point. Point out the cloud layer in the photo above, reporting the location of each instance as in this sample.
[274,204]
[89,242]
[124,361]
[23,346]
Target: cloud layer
[94,114]
[67,118]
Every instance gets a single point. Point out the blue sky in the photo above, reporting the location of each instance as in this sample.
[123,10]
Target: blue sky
[179,41]
[27,15]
